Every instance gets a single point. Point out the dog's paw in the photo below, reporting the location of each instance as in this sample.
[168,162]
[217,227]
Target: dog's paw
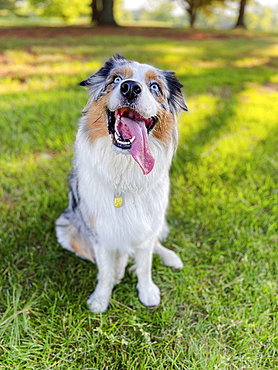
[171,259]
[149,295]
[98,304]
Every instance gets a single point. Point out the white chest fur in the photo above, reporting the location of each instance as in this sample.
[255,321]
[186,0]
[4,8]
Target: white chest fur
[103,173]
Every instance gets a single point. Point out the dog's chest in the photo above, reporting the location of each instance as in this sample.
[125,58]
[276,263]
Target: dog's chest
[125,227]
[104,177]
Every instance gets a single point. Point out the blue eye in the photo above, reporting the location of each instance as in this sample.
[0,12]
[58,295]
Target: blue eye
[117,80]
[155,87]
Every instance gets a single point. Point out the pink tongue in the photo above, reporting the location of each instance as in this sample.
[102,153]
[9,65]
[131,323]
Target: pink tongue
[140,149]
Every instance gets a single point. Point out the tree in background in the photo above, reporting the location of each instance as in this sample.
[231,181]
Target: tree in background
[193,6]
[103,12]
[95,17]
[240,20]
[19,8]
[64,9]
[122,15]
[7,5]
[262,18]
[219,14]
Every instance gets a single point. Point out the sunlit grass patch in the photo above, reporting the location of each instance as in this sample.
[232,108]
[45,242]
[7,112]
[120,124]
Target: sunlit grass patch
[46,68]
[220,311]
[251,62]
[254,118]
[32,71]
[270,50]
[40,121]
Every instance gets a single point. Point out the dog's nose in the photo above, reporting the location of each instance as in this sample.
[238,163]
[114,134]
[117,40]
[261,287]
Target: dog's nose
[130,89]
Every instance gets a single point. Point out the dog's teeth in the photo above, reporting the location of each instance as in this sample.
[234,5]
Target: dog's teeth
[116,125]
[118,139]
[126,142]
[123,142]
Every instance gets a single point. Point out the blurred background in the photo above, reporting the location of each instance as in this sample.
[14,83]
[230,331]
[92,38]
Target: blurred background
[214,14]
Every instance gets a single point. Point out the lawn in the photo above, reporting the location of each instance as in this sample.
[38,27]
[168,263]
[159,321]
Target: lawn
[221,310]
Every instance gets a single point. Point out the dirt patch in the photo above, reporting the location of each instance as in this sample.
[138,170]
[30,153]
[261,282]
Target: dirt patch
[51,32]
[271,87]
[266,87]
[273,62]
[3,59]
[9,201]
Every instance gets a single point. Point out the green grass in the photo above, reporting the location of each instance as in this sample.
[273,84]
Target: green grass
[220,311]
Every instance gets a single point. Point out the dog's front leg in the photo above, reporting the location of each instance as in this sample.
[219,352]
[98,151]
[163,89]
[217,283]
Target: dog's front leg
[149,293]
[106,263]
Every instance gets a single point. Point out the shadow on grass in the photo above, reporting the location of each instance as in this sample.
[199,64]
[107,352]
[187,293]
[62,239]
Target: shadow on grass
[230,208]
[191,147]
[34,197]
[224,84]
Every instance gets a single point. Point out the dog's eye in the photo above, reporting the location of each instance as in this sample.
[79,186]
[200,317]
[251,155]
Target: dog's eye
[154,86]
[117,79]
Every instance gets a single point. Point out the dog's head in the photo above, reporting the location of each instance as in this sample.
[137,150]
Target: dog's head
[133,102]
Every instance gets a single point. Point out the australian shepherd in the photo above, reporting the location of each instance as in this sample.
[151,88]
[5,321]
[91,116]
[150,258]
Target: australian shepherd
[119,185]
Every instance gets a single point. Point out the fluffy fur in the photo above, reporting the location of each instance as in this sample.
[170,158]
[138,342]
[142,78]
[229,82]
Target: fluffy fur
[105,168]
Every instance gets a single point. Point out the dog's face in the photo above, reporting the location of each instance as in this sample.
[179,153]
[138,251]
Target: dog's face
[132,102]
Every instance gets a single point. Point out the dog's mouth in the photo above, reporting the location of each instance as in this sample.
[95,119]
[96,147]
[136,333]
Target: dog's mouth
[129,131]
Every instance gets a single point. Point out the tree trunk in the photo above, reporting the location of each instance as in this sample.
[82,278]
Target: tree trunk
[107,15]
[240,21]
[95,11]
[192,9]
[192,19]
[192,15]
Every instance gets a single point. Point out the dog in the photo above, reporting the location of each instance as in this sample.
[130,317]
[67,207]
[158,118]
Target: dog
[119,184]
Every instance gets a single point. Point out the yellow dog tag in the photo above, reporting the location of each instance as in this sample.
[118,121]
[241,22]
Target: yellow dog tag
[118,200]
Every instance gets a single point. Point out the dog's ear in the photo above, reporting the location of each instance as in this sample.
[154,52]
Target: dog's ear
[176,98]
[97,82]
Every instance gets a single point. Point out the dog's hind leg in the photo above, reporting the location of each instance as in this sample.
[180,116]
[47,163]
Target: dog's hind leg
[164,231]
[170,258]
[71,237]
